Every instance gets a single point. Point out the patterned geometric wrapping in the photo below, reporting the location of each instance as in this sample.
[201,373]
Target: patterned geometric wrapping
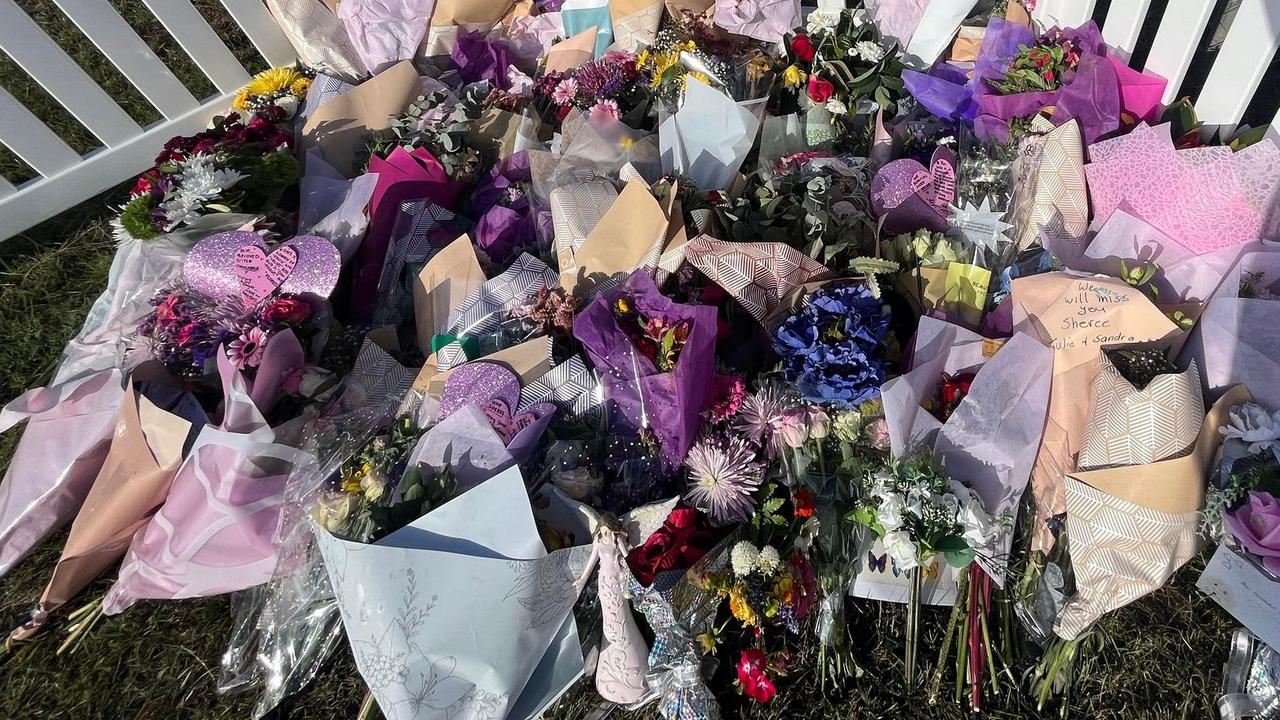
[1128,426]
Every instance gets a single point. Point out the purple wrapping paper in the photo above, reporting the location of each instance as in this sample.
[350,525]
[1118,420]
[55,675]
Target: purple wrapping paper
[948,92]
[990,440]
[479,56]
[502,230]
[69,428]
[1090,94]
[1234,340]
[669,403]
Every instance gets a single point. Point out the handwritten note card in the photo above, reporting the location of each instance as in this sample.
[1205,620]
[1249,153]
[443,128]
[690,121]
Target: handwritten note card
[1243,590]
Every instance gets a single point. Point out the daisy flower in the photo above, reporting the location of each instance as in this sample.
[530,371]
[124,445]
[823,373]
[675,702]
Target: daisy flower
[605,109]
[246,351]
[723,474]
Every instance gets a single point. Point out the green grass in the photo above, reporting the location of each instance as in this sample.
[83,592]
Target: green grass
[1161,658]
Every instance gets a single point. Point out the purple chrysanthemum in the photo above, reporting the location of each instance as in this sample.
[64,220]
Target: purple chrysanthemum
[723,475]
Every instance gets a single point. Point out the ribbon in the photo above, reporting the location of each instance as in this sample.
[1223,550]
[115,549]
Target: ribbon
[470,345]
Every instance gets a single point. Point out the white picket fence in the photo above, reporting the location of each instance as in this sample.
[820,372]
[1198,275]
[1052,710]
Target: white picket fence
[66,178]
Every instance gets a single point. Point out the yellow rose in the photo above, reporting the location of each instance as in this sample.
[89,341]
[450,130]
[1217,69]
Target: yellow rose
[793,77]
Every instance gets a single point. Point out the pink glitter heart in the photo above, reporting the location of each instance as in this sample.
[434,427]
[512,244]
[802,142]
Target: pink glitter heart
[909,197]
[507,425]
[478,383]
[260,274]
[211,266]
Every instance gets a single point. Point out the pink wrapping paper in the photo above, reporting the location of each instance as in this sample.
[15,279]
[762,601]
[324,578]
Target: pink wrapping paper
[991,439]
[385,32]
[216,532]
[767,20]
[68,433]
[1234,341]
[402,177]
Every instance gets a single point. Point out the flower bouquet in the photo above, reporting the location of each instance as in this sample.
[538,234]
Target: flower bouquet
[920,514]
[235,166]
[655,357]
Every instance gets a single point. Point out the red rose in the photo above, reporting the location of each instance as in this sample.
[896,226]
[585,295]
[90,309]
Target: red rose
[289,311]
[1048,75]
[820,90]
[802,47]
[752,676]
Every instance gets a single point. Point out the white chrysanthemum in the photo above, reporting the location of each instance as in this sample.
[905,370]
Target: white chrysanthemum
[821,22]
[744,558]
[770,560]
[723,475]
[199,182]
[868,50]
[835,107]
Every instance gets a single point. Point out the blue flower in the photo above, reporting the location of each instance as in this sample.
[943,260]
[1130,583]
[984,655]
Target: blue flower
[832,348]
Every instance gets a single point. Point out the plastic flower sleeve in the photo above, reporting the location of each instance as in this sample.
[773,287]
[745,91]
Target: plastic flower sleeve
[283,631]
[678,608]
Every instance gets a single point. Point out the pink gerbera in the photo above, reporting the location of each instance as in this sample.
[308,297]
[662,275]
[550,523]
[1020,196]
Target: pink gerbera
[565,92]
[605,109]
[246,350]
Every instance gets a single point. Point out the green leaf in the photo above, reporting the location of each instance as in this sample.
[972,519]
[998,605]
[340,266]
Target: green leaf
[959,559]
[772,505]
[951,543]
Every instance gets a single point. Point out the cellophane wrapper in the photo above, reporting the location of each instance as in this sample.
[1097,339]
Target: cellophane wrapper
[283,631]
[678,608]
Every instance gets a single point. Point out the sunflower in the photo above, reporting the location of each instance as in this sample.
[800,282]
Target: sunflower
[272,81]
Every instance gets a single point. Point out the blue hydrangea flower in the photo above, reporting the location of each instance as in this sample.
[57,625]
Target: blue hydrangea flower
[831,348]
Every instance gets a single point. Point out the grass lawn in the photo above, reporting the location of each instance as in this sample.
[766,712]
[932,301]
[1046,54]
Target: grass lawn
[1160,658]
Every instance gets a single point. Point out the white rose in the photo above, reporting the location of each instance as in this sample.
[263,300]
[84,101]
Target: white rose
[289,104]
[899,546]
[835,107]
[1251,424]
[889,512]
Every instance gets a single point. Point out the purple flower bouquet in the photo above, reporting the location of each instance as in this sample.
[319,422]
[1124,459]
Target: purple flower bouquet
[655,358]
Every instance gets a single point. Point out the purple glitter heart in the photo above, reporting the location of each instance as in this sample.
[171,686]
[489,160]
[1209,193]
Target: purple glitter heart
[909,197]
[210,267]
[476,383]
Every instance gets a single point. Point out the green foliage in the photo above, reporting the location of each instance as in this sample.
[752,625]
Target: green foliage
[135,216]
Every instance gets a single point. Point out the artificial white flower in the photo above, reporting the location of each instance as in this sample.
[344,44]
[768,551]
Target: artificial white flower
[820,22]
[868,50]
[972,516]
[199,181]
[744,558]
[287,103]
[889,511]
[835,107]
[769,560]
[1250,423]
[899,546]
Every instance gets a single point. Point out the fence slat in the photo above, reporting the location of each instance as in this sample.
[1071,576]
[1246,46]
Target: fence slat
[6,188]
[1247,51]
[32,140]
[255,20]
[193,33]
[43,198]
[1176,42]
[1124,24]
[57,73]
[122,46]
[1064,13]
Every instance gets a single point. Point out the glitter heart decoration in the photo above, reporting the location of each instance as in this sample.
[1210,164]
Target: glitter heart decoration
[909,197]
[508,426]
[260,274]
[238,263]
[477,383]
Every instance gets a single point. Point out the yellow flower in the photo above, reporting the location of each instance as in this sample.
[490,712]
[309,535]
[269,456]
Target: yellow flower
[793,77]
[707,641]
[626,141]
[740,608]
[643,58]
[687,46]
[272,81]
[758,66]
[241,101]
[300,87]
